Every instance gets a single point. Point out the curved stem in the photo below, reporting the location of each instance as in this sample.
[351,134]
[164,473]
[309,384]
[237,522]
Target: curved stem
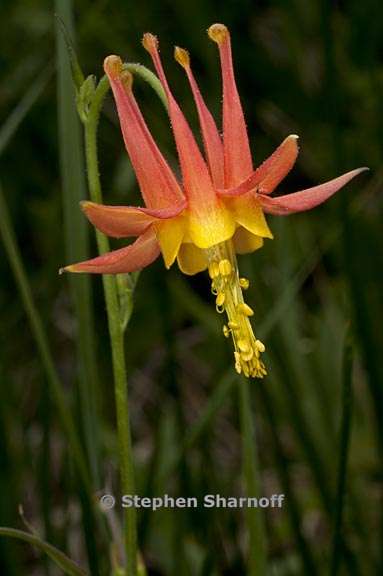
[116,338]
[116,329]
[150,78]
[137,69]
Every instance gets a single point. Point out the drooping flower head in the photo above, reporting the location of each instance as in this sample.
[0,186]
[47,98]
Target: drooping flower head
[216,211]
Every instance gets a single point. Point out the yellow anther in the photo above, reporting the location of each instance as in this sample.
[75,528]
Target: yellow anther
[238,366]
[213,270]
[113,65]
[182,57]
[220,299]
[218,32]
[260,345]
[247,356]
[227,287]
[245,309]
[225,267]
[150,42]
[243,345]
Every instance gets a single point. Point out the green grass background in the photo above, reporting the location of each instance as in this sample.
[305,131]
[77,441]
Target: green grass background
[308,67]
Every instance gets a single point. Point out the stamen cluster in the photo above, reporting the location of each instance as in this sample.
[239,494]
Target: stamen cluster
[227,287]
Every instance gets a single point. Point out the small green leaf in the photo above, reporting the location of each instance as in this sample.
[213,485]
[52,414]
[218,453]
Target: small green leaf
[126,284]
[85,97]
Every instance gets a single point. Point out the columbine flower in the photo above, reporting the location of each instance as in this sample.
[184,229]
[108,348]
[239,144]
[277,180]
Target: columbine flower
[218,209]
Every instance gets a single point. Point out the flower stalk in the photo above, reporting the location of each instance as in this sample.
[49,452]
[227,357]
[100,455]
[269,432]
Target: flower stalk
[116,335]
[90,101]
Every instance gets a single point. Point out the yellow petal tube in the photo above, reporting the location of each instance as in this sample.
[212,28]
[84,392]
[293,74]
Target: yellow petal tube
[246,242]
[170,235]
[248,212]
[191,259]
[210,224]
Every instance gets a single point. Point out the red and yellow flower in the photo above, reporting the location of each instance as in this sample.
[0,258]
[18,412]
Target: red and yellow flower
[217,210]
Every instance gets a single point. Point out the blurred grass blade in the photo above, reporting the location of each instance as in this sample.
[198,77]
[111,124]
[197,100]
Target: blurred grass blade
[291,289]
[257,559]
[344,446]
[187,298]
[77,74]
[306,438]
[76,238]
[293,505]
[56,389]
[21,110]
[10,558]
[214,403]
[66,564]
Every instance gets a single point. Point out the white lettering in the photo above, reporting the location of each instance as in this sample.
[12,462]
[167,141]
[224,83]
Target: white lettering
[127,501]
[209,501]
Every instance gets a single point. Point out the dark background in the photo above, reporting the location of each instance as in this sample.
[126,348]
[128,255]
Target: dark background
[308,67]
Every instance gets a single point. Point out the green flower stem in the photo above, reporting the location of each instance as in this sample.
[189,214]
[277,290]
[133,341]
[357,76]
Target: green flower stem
[116,328]
[257,561]
[116,336]
[150,78]
[41,339]
[136,69]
